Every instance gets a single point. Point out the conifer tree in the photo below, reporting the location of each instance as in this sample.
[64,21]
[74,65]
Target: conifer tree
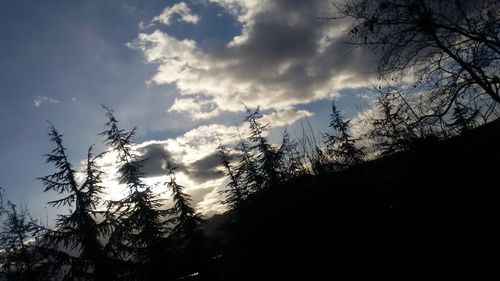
[340,145]
[186,237]
[139,222]
[251,179]
[79,231]
[19,257]
[292,165]
[463,118]
[234,195]
[268,158]
[392,132]
[320,163]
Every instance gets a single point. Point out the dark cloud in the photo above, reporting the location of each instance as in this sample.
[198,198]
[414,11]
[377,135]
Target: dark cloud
[199,171]
[286,55]
[288,35]
[205,169]
[198,195]
[154,164]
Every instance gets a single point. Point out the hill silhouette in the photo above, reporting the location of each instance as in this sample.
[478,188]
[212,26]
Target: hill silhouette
[430,212]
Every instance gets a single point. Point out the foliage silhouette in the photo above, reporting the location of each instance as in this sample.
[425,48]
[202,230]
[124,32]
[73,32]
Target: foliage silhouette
[247,168]
[437,50]
[463,118]
[292,163]
[292,215]
[20,258]
[185,239]
[341,147]
[140,224]
[401,216]
[79,231]
[267,157]
[234,194]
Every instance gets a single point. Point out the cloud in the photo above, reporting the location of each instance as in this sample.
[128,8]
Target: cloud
[39,100]
[194,153]
[153,152]
[244,10]
[211,201]
[284,117]
[196,107]
[181,10]
[202,141]
[199,171]
[206,168]
[283,56]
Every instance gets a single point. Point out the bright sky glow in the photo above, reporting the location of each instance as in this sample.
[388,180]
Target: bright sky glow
[178,70]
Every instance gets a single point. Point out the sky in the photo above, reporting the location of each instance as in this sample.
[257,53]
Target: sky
[179,71]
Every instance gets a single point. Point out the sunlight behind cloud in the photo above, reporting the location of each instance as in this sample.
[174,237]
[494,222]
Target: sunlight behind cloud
[194,153]
[284,56]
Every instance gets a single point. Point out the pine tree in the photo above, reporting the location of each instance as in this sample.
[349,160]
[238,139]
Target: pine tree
[94,255]
[292,165]
[234,194]
[251,179]
[139,222]
[79,231]
[268,158]
[19,258]
[395,130]
[186,237]
[320,164]
[340,145]
[463,118]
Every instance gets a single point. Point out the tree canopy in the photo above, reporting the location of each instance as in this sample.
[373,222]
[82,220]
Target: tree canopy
[442,51]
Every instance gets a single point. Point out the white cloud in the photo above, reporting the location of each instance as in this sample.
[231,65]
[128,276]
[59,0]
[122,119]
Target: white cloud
[202,141]
[194,153]
[39,100]
[284,117]
[244,10]
[195,107]
[210,202]
[283,56]
[180,9]
[199,142]
[143,25]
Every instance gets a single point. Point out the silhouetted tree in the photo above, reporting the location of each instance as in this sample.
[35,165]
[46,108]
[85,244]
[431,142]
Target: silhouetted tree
[250,178]
[78,232]
[320,164]
[267,158]
[463,118]
[445,49]
[341,146]
[20,258]
[139,222]
[186,236]
[93,256]
[292,164]
[392,130]
[234,194]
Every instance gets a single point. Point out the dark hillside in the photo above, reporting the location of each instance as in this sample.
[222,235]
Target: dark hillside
[432,212]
